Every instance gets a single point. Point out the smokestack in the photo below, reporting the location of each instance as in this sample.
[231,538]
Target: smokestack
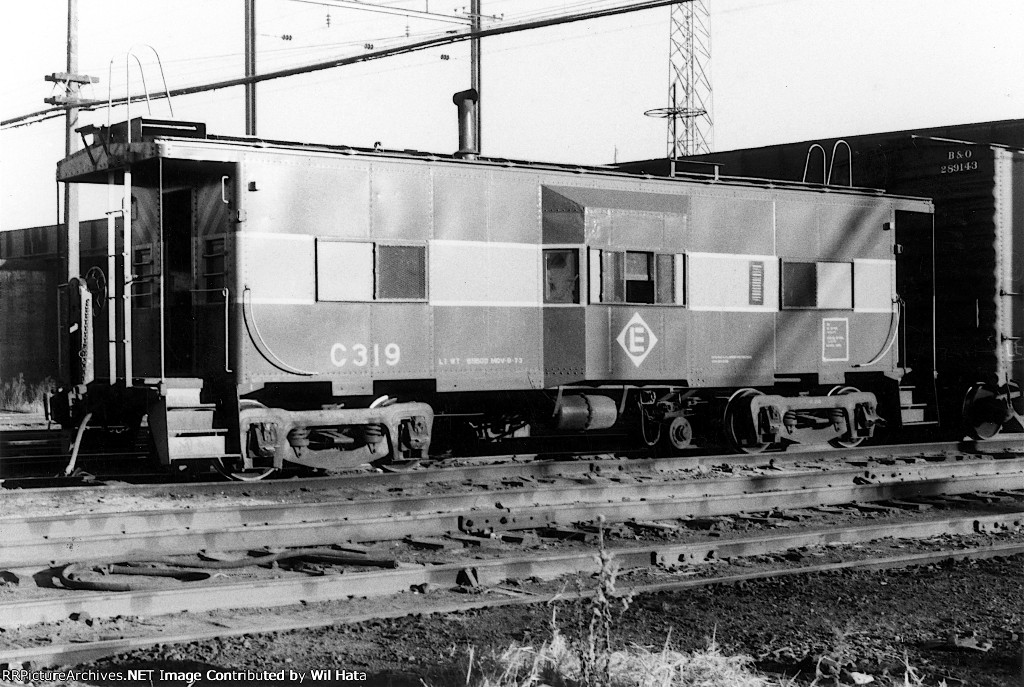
[466,100]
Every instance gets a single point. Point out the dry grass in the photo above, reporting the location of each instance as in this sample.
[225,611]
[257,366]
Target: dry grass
[592,662]
[25,397]
[560,664]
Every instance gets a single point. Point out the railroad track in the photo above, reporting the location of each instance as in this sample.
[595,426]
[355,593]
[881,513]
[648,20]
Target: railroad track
[467,534]
[484,578]
[484,468]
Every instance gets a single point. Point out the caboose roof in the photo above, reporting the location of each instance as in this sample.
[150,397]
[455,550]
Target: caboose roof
[144,140]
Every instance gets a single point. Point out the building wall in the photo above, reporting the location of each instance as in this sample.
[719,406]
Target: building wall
[27,323]
[30,275]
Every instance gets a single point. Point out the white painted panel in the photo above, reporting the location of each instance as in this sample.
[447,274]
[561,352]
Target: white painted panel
[679,287]
[874,285]
[278,267]
[835,285]
[721,281]
[483,273]
[344,271]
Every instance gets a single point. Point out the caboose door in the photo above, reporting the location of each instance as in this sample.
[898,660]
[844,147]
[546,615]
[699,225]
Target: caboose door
[178,219]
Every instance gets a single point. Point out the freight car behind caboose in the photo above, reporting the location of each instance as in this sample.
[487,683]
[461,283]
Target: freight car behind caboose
[327,306]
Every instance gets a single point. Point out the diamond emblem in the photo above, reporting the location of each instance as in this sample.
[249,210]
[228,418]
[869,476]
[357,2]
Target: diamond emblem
[637,339]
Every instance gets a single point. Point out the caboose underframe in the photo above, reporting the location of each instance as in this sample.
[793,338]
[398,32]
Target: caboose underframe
[322,305]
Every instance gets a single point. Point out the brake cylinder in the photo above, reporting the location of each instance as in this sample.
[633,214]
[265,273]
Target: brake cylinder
[585,412]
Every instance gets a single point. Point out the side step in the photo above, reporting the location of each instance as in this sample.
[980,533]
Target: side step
[182,426]
[913,414]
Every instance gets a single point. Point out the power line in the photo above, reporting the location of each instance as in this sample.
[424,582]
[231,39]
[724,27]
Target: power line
[425,44]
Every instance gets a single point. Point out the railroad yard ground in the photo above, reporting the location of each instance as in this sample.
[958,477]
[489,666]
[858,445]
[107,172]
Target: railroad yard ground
[958,622]
[872,623]
[951,622]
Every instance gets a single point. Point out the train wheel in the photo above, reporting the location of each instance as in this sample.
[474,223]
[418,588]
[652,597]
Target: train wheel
[677,434]
[233,467]
[982,411]
[736,423]
[839,442]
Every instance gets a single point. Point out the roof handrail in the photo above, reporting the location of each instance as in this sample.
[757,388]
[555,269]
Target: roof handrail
[849,160]
[807,162]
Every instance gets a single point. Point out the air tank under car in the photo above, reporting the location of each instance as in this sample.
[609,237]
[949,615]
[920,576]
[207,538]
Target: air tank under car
[327,306]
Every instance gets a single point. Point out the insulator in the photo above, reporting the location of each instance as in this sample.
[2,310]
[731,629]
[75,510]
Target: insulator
[789,420]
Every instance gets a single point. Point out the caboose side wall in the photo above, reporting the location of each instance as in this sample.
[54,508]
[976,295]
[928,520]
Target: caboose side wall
[316,311]
[297,221]
[731,242]
[479,326]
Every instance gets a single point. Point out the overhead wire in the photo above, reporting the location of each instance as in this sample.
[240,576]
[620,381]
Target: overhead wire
[430,42]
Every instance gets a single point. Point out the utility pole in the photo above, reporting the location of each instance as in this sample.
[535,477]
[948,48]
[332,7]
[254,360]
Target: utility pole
[474,51]
[690,78]
[689,84]
[250,67]
[71,81]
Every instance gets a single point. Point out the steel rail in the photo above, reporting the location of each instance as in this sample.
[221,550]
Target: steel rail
[514,465]
[286,592]
[362,506]
[42,547]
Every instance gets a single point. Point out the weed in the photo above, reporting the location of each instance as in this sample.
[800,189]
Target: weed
[21,396]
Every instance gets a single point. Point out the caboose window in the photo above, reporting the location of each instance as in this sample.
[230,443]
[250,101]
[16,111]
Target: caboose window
[641,277]
[344,271]
[364,271]
[561,275]
[799,285]
[820,285]
[835,285]
[664,279]
[614,284]
[401,272]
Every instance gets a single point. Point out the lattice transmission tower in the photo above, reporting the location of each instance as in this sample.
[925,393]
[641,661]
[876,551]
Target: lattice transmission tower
[690,129]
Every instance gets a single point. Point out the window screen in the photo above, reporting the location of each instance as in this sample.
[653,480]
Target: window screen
[613,274]
[561,276]
[799,285]
[401,272]
[665,282]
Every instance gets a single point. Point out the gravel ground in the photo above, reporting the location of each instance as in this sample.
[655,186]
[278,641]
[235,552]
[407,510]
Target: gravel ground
[958,622]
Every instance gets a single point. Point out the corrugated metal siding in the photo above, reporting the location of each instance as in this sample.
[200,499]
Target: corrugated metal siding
[28,334]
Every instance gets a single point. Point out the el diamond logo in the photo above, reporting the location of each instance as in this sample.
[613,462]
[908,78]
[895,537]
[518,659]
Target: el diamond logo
[637,339]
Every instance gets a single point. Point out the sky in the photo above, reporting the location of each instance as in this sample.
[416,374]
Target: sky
[782,70]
